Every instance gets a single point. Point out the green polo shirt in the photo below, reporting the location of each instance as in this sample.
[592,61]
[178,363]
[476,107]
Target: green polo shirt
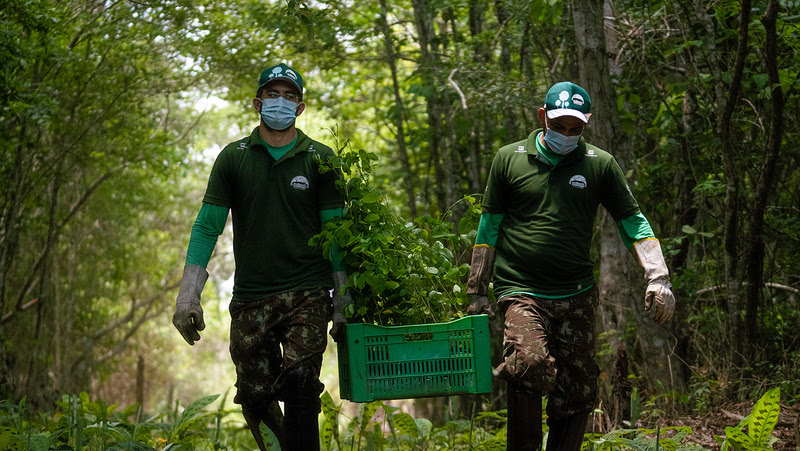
[276,210]
[544,240]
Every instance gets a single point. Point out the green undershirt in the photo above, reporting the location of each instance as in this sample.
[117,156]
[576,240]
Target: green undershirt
[631,230]
[278,152]
[211,221]
[551,156]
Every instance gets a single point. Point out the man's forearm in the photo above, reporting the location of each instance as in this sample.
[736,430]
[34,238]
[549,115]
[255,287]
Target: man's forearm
[207,228]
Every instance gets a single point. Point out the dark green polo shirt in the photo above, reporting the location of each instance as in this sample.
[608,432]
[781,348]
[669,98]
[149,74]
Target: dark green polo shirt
[549,211]
[276,209]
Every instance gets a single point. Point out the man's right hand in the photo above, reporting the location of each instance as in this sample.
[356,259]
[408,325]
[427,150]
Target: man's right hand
[480,305]
[188,317]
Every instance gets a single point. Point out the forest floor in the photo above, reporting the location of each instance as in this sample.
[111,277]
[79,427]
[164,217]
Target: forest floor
[712,424]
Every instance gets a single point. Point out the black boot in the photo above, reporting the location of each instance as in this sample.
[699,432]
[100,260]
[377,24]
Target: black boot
[567,433]
[301,424]
[270,414]
[524,430]
[301,406]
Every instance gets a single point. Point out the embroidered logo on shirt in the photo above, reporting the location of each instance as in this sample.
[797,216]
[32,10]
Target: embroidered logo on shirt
[242,145]
[590,153]
[311,148]
[520,149]
[300,183]
[578,181]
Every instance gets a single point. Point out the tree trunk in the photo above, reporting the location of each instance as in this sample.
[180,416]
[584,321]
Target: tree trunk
[423,20]
[726,100]
[754,255]
[391,60]
[140,382]
[620,281]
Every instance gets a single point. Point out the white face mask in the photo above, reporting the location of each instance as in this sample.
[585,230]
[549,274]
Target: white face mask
[560,144]
[278,113]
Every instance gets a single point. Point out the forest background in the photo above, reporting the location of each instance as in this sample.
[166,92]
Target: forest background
[111,113]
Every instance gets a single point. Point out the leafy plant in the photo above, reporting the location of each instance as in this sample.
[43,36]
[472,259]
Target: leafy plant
[80,423]
[400,272]
[397,430]
[644,439]
[760,424]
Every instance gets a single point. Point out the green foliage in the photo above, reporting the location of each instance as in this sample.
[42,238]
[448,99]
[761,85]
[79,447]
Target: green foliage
[380,426]
[760,424]
[644,439]
[400,272]
[80,423]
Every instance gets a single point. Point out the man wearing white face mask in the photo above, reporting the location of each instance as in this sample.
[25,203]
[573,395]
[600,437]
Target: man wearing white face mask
[271,183]
[533,243]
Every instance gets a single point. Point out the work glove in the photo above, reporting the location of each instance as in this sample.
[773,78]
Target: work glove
[188,317]
[658,298]
[480,273]
[340,301]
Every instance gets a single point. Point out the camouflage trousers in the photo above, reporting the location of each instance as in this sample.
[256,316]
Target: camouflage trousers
[549,349]
[272,336]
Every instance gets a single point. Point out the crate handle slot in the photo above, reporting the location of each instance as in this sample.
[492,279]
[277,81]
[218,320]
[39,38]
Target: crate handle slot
[419,336]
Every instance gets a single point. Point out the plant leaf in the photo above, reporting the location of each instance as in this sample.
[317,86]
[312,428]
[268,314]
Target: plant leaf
[764,417]
[406,425]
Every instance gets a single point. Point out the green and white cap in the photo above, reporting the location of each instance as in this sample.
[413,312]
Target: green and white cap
[281,72]
[567,99]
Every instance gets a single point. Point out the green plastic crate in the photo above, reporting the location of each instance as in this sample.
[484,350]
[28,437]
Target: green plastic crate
[400,362]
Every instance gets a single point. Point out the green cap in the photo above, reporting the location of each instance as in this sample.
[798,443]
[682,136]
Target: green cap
[281,72]
[567,99]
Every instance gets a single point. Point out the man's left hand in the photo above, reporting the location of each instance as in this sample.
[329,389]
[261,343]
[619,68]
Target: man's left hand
[340,301]
[339,320]
[660,300]
[658,297]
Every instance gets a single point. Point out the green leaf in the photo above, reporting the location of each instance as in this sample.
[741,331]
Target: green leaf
[371,197]
[737,438]
[190,412]
[495,444]
[764,417]
[425,426]
[270,440]
[406,424]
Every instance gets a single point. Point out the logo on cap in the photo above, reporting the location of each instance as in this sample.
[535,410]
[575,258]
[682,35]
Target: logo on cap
[279,70]
[562,102]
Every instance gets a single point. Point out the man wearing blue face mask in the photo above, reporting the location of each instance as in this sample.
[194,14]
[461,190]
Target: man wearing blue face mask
[271,183]
[533,243]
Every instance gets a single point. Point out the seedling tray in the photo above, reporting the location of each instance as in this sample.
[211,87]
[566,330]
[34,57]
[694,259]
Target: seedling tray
[379,362]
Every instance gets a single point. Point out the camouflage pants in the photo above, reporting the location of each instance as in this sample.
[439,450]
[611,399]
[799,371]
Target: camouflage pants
[295,321]
[549,348]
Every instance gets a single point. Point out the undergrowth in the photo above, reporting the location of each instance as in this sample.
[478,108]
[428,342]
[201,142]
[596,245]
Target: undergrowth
[78,423]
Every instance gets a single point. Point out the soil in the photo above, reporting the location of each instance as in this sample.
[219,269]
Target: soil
[707,426]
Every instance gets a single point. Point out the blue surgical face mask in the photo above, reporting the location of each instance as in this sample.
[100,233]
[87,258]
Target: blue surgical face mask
[560,144]
[278,114]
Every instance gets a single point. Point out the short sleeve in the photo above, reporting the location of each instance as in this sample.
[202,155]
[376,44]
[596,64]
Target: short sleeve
[494,196]
[329,194]
[618,198]
[220,182]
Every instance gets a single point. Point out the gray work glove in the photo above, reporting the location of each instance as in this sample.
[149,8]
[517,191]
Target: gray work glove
[340,301]
[480,273]
[658,298]
[188,317]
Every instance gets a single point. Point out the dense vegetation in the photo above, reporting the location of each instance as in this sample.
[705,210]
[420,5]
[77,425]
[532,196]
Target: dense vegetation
[80,422]
[111,112]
